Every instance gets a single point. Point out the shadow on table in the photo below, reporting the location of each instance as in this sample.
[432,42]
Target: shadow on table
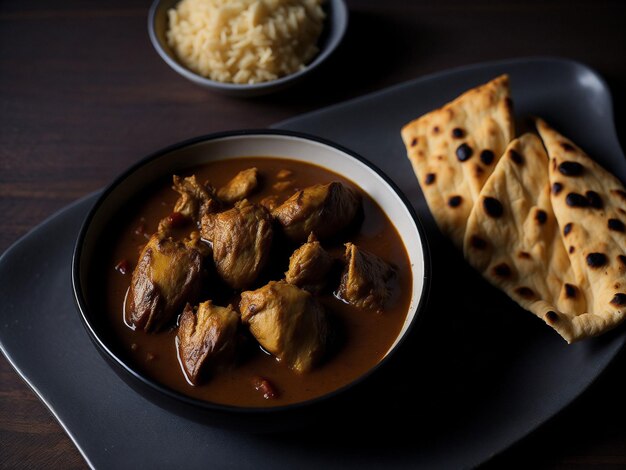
[374,46]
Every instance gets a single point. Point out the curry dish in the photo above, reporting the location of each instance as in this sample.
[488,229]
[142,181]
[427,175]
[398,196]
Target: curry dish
[255,282]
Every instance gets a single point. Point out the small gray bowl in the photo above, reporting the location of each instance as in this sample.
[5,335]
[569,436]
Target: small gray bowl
[335,26]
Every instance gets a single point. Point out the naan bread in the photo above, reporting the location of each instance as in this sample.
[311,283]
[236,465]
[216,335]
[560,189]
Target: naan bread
[454,149]
[547,229]
[590,207]
[513,238]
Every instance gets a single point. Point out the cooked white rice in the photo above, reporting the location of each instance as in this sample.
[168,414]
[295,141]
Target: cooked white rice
[245,41]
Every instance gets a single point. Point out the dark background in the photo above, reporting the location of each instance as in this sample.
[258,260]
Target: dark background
[83,95]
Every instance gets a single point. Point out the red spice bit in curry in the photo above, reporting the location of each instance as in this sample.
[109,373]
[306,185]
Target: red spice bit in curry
[122,266]
[264,386]
[176,219]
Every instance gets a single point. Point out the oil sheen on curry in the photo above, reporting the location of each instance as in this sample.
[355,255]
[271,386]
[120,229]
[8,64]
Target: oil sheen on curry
[256,282]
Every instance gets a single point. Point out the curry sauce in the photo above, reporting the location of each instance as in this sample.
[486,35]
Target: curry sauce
[361,337]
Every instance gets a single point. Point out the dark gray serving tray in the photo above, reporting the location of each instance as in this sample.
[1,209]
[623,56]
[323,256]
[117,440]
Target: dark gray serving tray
[476,376]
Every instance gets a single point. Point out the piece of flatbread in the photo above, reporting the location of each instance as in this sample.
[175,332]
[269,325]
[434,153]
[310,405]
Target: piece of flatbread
[454,149]
[590,207]
[513,238]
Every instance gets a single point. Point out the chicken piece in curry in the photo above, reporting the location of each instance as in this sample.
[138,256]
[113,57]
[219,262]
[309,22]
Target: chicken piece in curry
[241,238]
[195,199]
[240,187]
[168,275]
[309,266]
[288,322]
[325,209]
[206,338]
[365,279]
[243,285]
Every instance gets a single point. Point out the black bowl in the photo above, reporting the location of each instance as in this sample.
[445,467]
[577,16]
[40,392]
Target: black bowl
[278,144]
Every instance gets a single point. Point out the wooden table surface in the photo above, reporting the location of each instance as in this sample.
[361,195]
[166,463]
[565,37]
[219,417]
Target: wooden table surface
[83,95]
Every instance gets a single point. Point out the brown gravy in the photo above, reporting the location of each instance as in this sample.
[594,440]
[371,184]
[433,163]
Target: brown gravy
[366,335]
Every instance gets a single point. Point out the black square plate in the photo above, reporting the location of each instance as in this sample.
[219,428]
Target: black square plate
[476,376]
